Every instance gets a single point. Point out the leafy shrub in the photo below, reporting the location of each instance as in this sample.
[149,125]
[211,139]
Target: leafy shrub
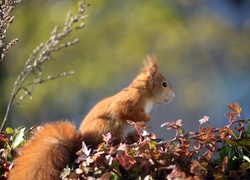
[188,156]
[11,142]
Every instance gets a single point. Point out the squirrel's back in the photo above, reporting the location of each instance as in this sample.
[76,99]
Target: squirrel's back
[37,159]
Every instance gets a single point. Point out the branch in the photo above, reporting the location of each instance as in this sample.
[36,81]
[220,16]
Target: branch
[5,20]
[33,66]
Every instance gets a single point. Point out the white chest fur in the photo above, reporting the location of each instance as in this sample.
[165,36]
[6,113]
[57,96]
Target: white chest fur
[149,106]
[127,129]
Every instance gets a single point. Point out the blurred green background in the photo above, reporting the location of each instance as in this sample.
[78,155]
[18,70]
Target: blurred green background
[203,48]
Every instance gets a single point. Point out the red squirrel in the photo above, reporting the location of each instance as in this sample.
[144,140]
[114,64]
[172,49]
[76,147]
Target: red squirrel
[54,146]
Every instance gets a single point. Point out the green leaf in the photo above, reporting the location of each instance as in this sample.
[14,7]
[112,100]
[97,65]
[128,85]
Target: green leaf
[9,130]
[152,145]
[244,142]
[239,144]
[245,165]
[9,157]
[235,134]
[224,152]
[248,129]
[181,131]
[65,173]
[246,158]
[231,142]
[244,147]
[114,176]
[18,138]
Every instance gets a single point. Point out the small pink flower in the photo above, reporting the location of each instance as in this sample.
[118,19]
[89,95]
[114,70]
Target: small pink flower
[203,120]
[173,125]
[179,122]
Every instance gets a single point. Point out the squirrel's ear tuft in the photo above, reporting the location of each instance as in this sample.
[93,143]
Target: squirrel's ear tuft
[150,61]
[151,65]
[153,71]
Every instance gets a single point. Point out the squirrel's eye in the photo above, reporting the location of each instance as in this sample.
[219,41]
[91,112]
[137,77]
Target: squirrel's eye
[164,84]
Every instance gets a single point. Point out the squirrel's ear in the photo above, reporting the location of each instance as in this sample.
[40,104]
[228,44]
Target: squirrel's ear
[153,71]
[151,65]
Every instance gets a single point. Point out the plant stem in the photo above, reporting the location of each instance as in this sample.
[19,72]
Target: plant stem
[14,94]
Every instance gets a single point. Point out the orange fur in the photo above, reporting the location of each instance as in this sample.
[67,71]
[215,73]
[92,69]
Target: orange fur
[47,152]
[50,149]
[110,114]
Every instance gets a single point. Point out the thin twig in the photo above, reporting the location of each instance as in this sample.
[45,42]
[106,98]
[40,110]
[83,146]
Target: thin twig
[6,7]
[33,66]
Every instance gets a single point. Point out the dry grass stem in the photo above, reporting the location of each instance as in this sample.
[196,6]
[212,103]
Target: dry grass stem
[33,68]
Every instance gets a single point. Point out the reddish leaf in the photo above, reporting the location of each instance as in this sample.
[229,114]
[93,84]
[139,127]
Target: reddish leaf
[235,108]
[126,161]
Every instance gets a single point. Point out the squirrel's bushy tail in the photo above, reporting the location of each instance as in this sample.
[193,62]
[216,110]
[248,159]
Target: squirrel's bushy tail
[47,152]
